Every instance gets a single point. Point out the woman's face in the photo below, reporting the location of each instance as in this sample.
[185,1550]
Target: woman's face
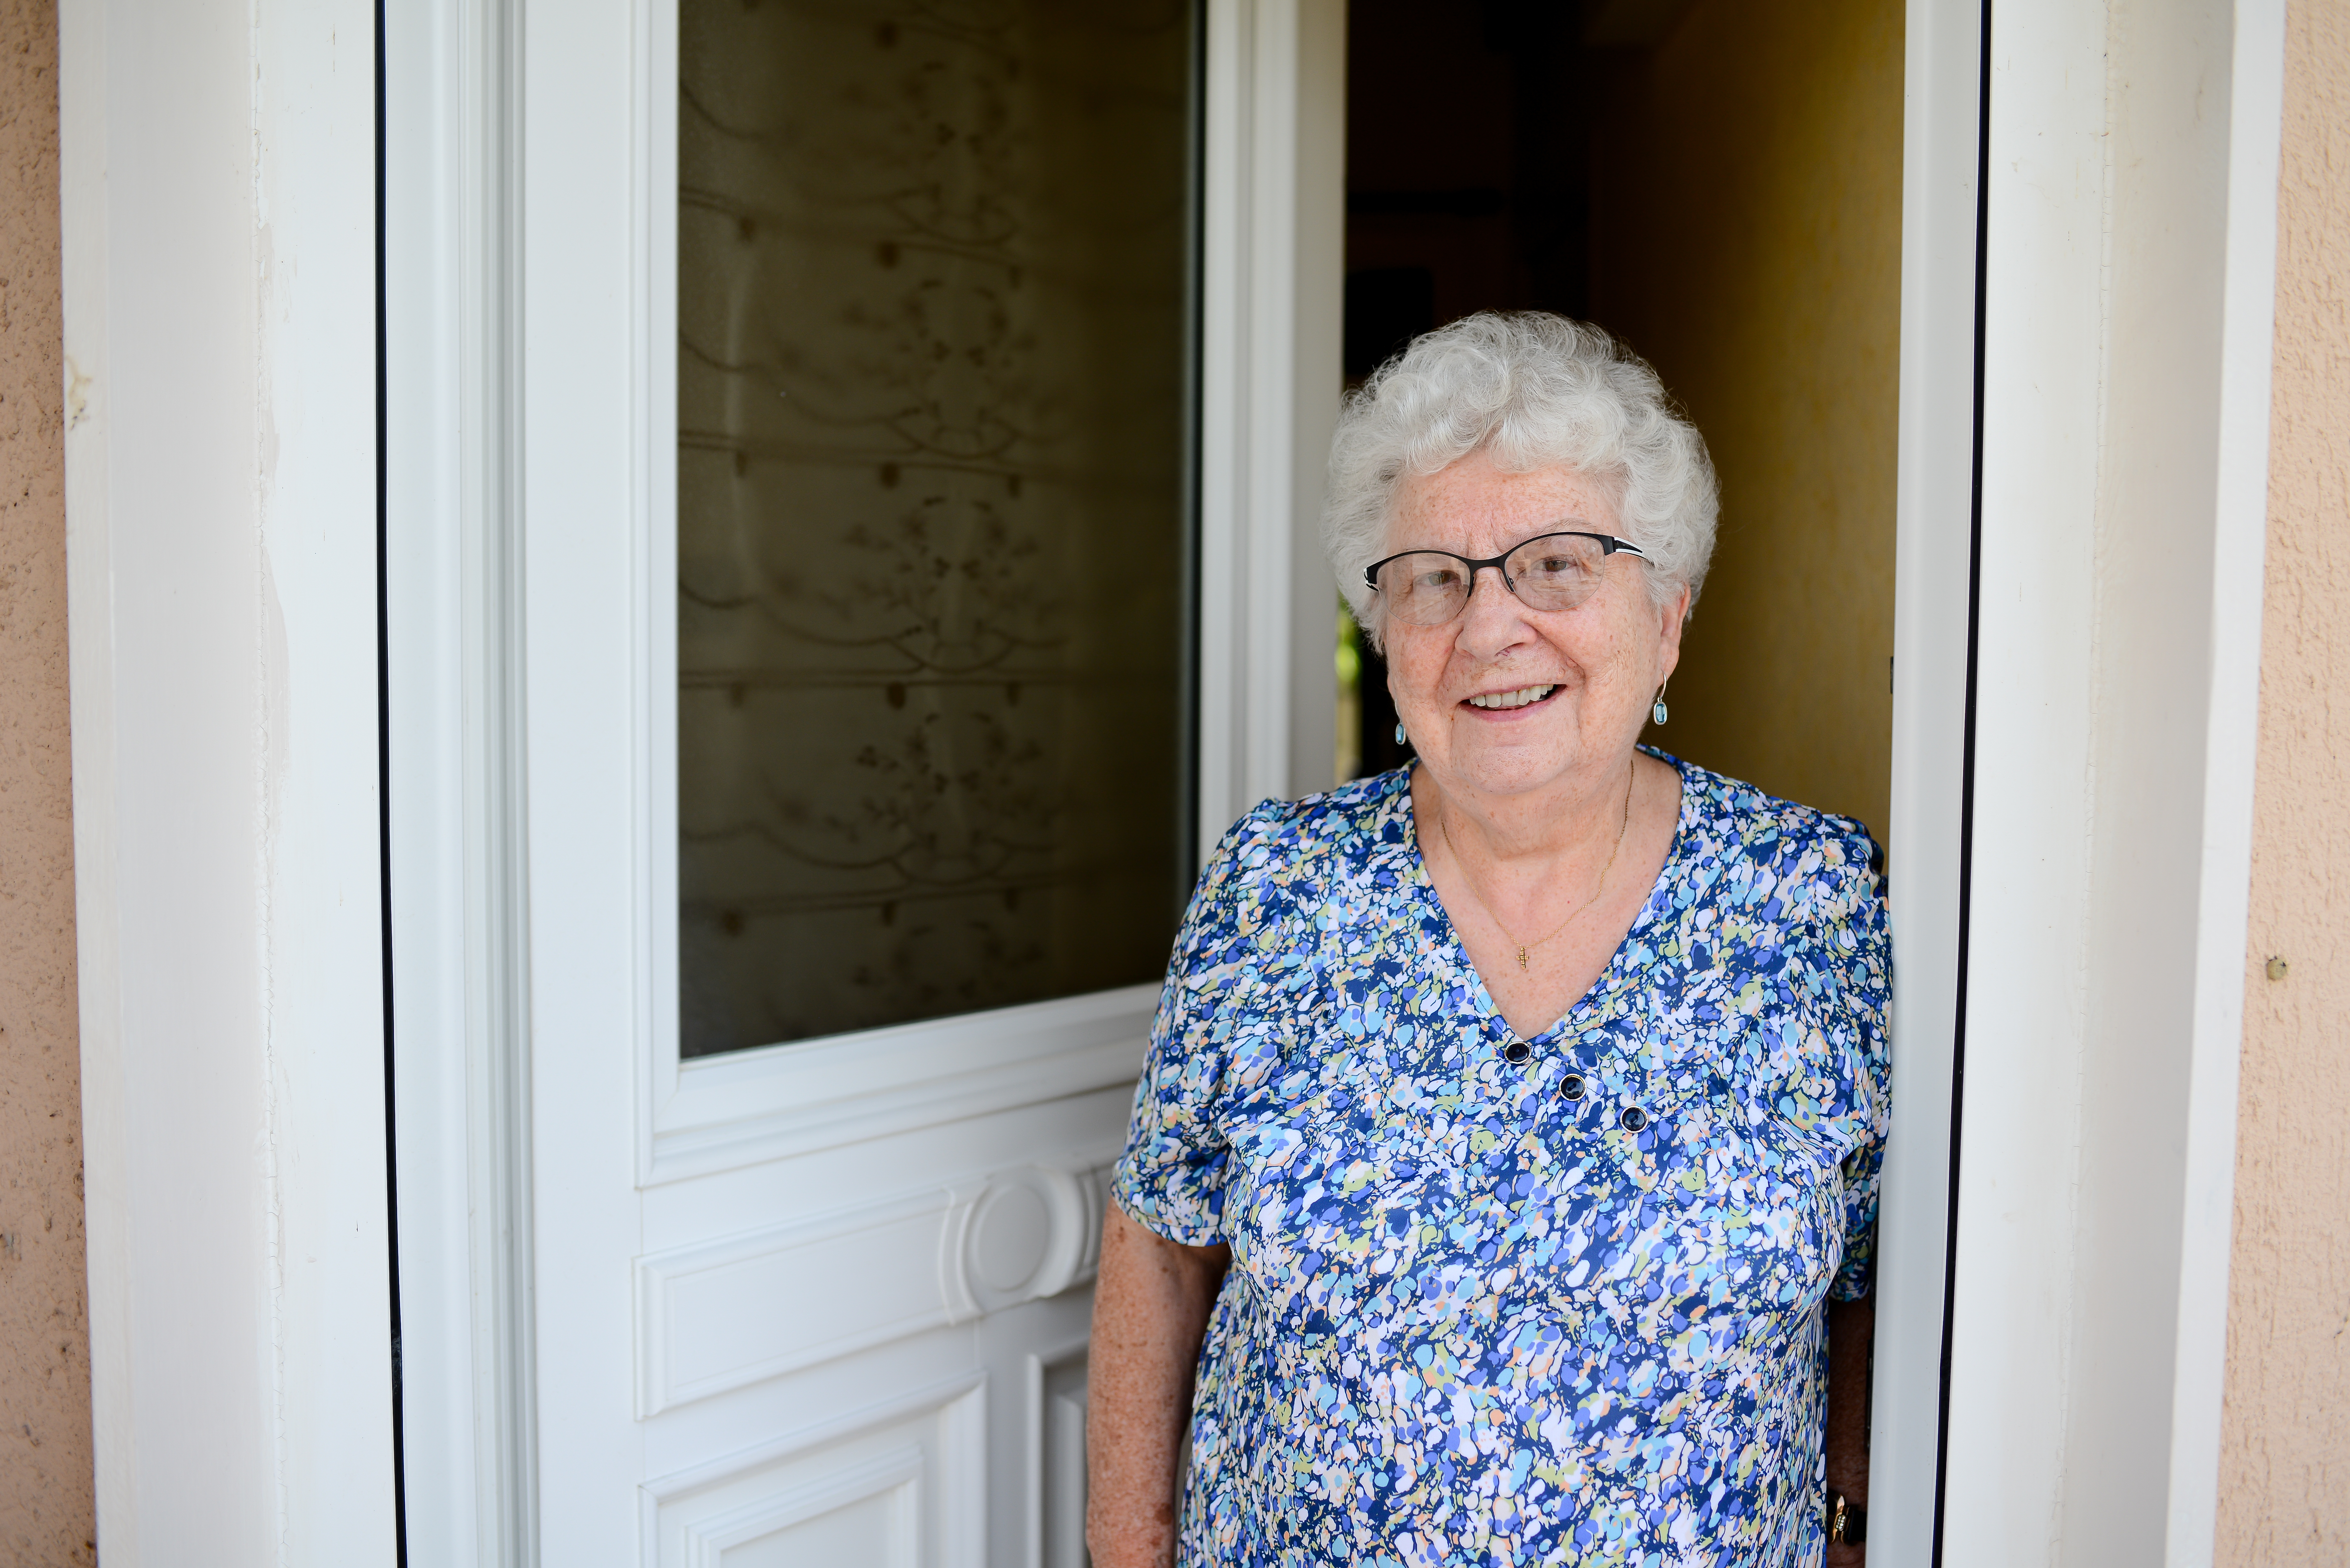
[1601,661]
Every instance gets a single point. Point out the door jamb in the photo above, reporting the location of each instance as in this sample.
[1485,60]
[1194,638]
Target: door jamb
[1935,525]
[453,606]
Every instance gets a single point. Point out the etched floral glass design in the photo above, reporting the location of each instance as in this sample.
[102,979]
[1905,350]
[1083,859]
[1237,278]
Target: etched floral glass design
[932,386]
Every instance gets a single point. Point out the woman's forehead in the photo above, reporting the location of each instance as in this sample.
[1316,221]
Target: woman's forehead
[1473,507]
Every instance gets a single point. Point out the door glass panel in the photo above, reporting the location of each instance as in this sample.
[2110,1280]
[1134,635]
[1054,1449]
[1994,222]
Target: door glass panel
[933,522]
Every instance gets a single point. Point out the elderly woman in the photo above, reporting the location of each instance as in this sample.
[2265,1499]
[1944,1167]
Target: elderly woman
[1511,1118]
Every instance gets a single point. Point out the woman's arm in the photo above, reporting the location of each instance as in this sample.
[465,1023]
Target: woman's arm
[1851,1333]
[1150,1311]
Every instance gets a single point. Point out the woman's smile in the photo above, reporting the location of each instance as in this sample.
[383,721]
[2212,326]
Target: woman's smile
[1498,703]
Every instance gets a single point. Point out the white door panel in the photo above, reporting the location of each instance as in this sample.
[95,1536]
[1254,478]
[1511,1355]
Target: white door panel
[817,1303]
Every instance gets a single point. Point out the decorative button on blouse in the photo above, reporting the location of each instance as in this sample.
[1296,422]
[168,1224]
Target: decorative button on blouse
[1466,1323]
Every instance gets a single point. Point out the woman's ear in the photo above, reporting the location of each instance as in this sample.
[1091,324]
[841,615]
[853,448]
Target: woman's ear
[1671,616]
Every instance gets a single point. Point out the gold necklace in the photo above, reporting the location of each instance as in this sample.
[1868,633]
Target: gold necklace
[1623,827]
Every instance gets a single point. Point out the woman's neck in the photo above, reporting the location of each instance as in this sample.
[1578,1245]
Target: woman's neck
[1532,832]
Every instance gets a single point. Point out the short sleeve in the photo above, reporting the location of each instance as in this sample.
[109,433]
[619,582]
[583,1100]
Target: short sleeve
[1854,935]
[1857,1276]
[1170,1179]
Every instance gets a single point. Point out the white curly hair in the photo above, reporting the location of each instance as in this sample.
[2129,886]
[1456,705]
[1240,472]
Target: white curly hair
[1530,391]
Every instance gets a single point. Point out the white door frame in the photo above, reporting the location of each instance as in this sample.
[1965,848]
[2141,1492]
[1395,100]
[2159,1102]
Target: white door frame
[217,194]
[2121,514]
[2069,917]
[1272,271]
[217,276]
[1934,521]
[453,581]
[220,276]
[2129,274]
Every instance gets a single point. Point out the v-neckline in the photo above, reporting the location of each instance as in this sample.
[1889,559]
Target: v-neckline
[1607,980]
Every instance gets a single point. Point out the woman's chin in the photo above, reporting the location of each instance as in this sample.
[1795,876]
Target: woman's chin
[1509,758]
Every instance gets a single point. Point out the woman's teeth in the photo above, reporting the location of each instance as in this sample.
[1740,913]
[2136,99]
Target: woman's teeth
[1518,699]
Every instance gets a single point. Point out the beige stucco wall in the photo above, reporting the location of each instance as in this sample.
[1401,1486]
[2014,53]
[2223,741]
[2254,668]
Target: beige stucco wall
[1746,237]
[44,1444]
[2284,1476]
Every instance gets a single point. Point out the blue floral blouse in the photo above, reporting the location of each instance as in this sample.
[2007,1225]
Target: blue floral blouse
[1496,1301]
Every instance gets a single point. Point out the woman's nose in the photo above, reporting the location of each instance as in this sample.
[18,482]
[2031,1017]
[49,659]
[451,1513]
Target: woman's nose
[1494,620]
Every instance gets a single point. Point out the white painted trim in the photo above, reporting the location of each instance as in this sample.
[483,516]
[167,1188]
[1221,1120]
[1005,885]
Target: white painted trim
[938,1395]
[1935,520]
[426,807]
[678,1131]
[2131,252]
[83,80]
[2238,550]
[951,1291]
[924,1303]
[1272,290]
[1034,1374]
[453,586]
[585,622]
[219,277]
[898,1475]
[958,1404]
[2176,626]
[726,1112]
[2025,1002]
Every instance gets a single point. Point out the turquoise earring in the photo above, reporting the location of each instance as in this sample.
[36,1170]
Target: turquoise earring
[1656,708]
[1399,731]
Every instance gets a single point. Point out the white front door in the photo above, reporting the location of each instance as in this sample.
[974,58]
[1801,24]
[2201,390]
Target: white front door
[853,472]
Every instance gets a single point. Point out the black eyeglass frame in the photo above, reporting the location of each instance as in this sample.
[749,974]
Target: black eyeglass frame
[1609,545]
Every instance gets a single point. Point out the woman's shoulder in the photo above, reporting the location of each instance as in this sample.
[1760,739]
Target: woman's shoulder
[1730,819]
[1280,839]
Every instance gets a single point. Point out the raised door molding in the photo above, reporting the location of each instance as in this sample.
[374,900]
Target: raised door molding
[899,1484]
[1056,1456]
[719,1315]
[719,1113]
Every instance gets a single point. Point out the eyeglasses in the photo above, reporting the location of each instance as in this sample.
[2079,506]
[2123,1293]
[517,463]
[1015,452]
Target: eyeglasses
[1552,572]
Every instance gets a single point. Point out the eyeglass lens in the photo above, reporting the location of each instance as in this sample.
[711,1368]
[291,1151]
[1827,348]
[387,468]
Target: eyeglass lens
[1557,572]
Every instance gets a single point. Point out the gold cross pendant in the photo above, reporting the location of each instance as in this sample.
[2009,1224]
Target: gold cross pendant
[1521,958]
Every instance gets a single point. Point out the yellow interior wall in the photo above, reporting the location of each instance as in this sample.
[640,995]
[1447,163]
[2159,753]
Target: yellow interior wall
[2284,1463]
[1746,239]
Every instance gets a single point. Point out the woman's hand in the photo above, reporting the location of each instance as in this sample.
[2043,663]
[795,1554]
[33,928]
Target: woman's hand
[1150,1312]
[1852,1337]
